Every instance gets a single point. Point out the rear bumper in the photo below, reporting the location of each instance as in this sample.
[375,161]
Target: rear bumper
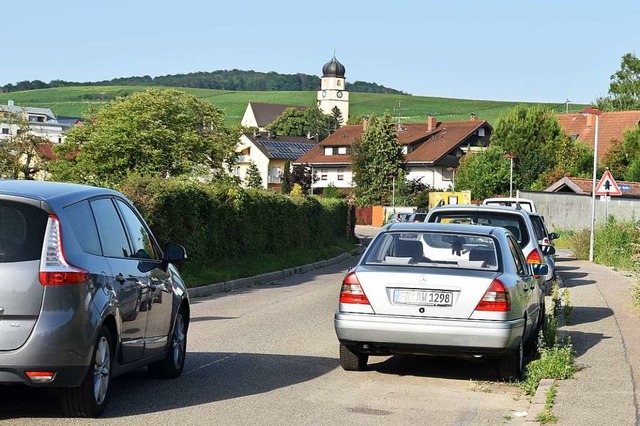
[389,334]
[64,376]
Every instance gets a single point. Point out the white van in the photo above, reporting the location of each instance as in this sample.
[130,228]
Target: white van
[525,203]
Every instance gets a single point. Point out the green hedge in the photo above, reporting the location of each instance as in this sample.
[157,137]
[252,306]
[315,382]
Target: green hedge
[222,222]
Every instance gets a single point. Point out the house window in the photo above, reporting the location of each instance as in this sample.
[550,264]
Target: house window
[447,175]
[328,151]
[481,132]
[340,174]
[323,174]
[5,130]
[405,150]
[339,83]
[342,150]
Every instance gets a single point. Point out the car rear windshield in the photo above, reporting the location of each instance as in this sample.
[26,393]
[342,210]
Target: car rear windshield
[22,228]
[434,249]
[513,222]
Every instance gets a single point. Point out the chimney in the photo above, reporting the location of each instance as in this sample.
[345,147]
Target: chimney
[474,117]
[432,121]
[590,120]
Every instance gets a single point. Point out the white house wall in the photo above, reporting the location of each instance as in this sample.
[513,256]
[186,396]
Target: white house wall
[261,161]
[332,174]
[432,176]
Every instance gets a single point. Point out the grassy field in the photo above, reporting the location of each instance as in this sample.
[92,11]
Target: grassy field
[74,101]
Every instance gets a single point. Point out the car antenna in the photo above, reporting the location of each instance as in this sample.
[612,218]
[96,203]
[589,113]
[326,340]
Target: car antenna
[518,206]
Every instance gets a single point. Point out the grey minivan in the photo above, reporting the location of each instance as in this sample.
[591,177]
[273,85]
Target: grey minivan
[86,293]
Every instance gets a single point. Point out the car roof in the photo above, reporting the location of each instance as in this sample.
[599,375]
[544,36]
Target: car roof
[473,207]
[51,192]
[443,227]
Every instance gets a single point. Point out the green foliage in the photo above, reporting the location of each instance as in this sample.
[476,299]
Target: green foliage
[253,179]
[285,182]
[156,132]
[219,223]
[616,243]
[297,192]
[303,176]
[376,160]
[20,155]
[624,89]
[623,159]
[546,415]
[485,173]
[308,122]
[332,192]
[534,136]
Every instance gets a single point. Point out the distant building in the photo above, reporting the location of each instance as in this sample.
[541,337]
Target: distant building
[269,152]
[333,93]
[259,115]
[611,127]
[41,121]
[432,151]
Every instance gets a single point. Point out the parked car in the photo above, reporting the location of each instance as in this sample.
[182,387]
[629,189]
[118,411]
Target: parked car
[525,203]
[402,216]
[428,288]
[516,219]
[417,217]
[87,294]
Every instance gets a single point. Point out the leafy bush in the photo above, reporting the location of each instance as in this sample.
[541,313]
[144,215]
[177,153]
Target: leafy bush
[223,222]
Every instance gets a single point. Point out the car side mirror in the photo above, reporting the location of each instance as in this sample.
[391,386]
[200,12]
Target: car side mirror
[554,236]
[174,253]
[548,250]
[539,269]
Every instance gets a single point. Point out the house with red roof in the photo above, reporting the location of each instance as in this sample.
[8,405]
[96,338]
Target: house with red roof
[611,128]
[432,151]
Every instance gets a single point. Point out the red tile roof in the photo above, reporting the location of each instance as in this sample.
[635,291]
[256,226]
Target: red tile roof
[611,127]
[585,185]
[430,145]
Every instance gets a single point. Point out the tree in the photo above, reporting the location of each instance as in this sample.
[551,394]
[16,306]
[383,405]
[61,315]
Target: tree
[310,122]
[624,89]
[376,160]
[332,192]
[535,137]
[155,132]
[623,159]
[285,182]
[21,154]
[254,179]
[484,173]
[303,176]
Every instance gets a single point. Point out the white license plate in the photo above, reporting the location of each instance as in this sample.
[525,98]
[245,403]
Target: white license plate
[423,297]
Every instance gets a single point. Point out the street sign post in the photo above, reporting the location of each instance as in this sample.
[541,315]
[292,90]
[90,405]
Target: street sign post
[607,186]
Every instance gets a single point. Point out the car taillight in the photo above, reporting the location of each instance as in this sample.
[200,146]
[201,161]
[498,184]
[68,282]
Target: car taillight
[54,268]
[351,291]
[534,256]
[495,299]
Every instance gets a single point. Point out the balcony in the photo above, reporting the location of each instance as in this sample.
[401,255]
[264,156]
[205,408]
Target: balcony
[244,159]
[273,179]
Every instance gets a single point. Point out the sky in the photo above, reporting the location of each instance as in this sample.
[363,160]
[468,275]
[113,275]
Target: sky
[508,50]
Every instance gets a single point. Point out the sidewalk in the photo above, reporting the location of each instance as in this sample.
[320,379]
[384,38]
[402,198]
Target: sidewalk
[605,332]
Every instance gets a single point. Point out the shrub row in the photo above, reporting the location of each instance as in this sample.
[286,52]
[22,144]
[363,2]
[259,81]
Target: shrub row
[221,222]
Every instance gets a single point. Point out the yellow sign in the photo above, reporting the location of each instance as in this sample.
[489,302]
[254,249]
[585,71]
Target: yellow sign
[458,197]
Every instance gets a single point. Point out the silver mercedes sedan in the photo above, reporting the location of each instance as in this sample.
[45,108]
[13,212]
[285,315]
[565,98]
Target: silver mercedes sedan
[427,288]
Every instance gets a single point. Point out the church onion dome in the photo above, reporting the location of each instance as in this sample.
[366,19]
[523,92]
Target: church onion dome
[333,68]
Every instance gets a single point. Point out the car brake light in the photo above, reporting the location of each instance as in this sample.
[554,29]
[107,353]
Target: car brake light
[495,299]
[54,268]
[351,291]
[40,376]
[534,256]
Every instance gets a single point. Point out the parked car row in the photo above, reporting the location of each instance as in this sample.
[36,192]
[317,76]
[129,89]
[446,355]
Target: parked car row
[87,293]
[469,281]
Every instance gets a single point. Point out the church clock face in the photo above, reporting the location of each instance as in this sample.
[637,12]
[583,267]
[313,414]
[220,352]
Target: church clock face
[339,94]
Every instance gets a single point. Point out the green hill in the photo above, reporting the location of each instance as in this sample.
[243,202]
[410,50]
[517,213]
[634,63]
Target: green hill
[74,101]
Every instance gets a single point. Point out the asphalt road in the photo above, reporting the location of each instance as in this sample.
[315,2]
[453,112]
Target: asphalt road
[269,355]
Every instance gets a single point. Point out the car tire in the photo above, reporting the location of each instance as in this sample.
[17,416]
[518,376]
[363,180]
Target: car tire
[172,365]
[351,360]
[90,398]
[511,366]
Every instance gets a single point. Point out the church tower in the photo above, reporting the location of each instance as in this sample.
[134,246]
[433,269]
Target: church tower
[332,91]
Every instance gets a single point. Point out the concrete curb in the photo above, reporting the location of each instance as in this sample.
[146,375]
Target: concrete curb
[538,401]
[267,278]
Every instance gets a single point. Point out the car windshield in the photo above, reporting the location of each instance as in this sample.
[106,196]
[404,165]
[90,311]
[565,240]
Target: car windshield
[434,249]
[513,222]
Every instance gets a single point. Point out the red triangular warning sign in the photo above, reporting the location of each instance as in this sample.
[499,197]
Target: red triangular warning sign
[607,185]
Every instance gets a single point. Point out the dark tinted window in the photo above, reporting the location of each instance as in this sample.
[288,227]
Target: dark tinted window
[84,227]
[513,222]
[518,257]
[140,237]
[112,234]
[538,227]
[22,228]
